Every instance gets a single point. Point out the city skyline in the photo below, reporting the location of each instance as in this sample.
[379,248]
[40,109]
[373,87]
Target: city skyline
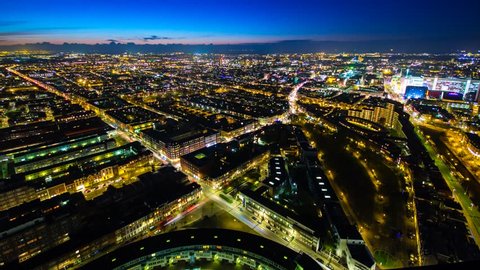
[431,23]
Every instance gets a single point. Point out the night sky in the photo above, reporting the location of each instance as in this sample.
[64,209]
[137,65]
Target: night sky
[236,21]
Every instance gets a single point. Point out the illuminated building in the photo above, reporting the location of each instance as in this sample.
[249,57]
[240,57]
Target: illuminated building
[278,176]
[15,195]
[62,154]
[217,164]
[238,128]
[408,80]
[35,227]
[22,138]
[16,192]
[384,115]
[475,109]
[133,118]
[442,88]
[47,150]
[90,161]
[280,218]
[67,230]
[238,248]
[33,146]
[177,143]
[415,92]
[473,144]
[242,104]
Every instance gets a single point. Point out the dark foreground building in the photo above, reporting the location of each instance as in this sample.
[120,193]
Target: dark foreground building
[200,245]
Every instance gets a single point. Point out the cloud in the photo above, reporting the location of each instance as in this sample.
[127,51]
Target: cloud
[34,31]
[28,31]
[154,37]
[13,33]
[113,40]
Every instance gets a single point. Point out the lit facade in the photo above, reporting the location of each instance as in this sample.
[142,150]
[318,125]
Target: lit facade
[383,115]
[279,219]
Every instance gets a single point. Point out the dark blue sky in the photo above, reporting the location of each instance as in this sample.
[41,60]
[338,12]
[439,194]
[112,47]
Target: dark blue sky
[237,21]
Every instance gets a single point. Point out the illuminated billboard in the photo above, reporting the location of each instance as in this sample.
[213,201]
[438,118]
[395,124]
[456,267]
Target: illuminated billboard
[429,82]
[452,96]
[472,91]
[415,92]
[450,85]
[438,88]
[474,86]
[435,94]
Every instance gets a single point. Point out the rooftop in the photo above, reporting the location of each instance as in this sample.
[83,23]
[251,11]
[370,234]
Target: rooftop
[214,238]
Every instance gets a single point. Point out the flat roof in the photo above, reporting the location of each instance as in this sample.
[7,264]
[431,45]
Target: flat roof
[361,254]
[474,139]
[177,135]
[284,212]
[110,211]
[218,159]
